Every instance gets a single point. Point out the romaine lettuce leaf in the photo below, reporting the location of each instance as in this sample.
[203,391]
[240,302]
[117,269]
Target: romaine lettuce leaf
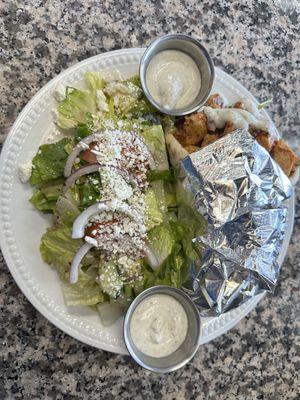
[82,131]
[49,162]
[94,80]
[124,95]
[66,209]
[155,139]
[161,241]
[86,292]
[58,249]
[89,190]
[172,272]
[45,198]
[76,108]
[161,175]
[154,211]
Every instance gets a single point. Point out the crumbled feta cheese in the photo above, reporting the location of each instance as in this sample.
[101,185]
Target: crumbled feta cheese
[113,184]
[25,171]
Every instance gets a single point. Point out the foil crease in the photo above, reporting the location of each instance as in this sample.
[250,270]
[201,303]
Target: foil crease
[241,191]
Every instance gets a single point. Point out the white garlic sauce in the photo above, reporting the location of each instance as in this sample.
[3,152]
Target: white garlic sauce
[241,119]
[158,325]
[173,79]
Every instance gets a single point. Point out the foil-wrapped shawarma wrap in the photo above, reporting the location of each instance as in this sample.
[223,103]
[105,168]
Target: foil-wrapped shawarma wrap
[241,192]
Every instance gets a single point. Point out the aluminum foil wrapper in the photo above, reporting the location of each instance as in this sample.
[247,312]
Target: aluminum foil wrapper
[241,191]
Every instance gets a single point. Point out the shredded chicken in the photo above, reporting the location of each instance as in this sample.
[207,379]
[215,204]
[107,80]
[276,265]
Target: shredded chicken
[194,134]
[191,149]
[195,128]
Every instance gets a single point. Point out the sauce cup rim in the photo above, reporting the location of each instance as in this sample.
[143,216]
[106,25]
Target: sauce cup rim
[168,290]
[145,60]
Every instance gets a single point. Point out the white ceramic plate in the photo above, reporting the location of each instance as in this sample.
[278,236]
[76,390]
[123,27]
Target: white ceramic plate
[22,226]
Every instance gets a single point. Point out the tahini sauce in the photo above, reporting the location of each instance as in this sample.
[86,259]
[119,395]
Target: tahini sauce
[241,119]
[173,79]
[158,325]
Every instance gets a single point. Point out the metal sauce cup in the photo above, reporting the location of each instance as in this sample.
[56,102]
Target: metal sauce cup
[193,48]
[188,348]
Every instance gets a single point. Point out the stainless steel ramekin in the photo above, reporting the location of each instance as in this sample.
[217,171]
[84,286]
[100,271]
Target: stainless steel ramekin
[193,48]
[188,348]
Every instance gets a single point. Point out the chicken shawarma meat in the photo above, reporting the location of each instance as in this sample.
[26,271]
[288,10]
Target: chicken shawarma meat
[191,149]
[194,128]
[285,157]
[195,132]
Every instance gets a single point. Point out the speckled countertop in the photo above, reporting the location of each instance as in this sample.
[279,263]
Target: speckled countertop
[258,43]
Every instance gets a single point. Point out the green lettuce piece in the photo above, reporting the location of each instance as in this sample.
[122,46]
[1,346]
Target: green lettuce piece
[161,241]
[110,280]
[58,249]
[94,80]
[155,140]
[45,198]
[172,272]
[124,95]
[76,108]
[86,292]
[82,131]
[161,175]
[140,108]
[154,211]
[49,162]
[89,189]
[66,209]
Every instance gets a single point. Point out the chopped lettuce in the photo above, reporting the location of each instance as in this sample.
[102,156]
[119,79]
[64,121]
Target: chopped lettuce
[45,198]
[173,271]
[161,241]
[82,131]
[76,108]
[58,249]
[86,292]
[154,211]
[110,281]
[155,139]
[161,175]
[66,209]
[124,95]
[49,162]
[89,189]
[94,80]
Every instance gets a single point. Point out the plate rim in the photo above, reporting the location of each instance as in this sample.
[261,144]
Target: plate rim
[17,276]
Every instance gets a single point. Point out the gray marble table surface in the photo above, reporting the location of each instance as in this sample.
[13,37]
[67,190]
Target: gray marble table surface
[258,43]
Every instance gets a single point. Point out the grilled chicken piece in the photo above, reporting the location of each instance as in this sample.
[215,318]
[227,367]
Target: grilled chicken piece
[228,128]
[265,140]
[208,139]
[195,128]
[191,149]
[285,157]
[180,136]
[215,101]
[239,104]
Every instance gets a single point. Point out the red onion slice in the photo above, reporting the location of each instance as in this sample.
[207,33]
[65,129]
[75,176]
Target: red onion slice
[82,220]
[84,144]
[88,169]
[74,271]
